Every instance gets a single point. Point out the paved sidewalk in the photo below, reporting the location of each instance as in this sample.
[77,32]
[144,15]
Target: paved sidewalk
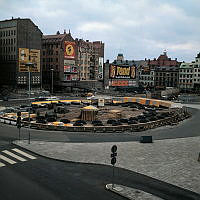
[174,160]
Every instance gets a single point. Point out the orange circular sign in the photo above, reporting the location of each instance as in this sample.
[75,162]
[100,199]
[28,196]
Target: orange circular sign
[69,50]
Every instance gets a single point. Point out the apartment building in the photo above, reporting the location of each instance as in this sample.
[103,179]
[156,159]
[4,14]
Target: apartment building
[189,75]
[20,46]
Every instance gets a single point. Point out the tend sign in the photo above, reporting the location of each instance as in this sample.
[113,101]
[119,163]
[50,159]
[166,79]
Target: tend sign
[123,71]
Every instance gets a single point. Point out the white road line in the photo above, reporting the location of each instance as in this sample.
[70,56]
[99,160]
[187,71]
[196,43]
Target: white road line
[14,155]
[7,160]
[2,165]
[24,154]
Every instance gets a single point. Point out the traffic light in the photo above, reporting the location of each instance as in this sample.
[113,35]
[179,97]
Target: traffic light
[19,119]
[113,154]
[19,114]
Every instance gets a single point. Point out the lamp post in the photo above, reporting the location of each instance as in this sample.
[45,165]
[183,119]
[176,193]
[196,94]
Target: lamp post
[29,96]
[52,80]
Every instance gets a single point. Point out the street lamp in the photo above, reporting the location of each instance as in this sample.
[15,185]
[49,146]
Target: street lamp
[52,80]
[29,95]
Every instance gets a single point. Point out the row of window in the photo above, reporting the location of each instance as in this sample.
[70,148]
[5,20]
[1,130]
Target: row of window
[146,78]
[189,70]
[50,60]
[7,57]
[166,74]
[50,52]
[185,76]
[48,67]
[7,33]
[50,46]
[24,79]
[185,81]
[9,41]
[9,49]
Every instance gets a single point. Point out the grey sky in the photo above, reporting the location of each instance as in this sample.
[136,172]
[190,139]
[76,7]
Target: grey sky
[137,28]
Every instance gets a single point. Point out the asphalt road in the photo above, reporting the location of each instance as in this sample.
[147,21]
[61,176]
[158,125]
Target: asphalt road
[50,179]
[44,178]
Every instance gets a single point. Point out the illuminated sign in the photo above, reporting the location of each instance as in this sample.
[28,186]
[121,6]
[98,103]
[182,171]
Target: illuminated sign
[27,56]
[122,83]
[122,72]
[69,50]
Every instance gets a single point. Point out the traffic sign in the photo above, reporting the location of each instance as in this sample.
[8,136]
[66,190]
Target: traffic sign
[114,149]
[113,160]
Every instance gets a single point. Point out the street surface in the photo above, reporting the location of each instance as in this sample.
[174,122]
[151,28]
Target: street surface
[43,178]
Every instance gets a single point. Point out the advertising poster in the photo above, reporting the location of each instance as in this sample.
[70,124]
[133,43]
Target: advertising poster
[35,59]
[119,83]
[100,70]
[67,68]
[122,72]
[69,50]
[29,56]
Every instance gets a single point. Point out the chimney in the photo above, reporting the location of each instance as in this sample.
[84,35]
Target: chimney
[58,33]
[64,31]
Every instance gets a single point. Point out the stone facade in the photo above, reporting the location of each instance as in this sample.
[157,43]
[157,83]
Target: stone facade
[159,73]
[189,75]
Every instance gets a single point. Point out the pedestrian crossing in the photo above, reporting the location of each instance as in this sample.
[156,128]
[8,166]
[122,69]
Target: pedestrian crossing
[13,156]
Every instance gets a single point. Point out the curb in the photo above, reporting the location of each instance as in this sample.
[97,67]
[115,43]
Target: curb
[109,187]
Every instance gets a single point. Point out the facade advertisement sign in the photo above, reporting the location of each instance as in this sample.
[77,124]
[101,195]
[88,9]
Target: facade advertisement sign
[69,50]
[70,77]
[67,68]
[29,56]
[70,69]
[122,72]
[100,70]
[122,83]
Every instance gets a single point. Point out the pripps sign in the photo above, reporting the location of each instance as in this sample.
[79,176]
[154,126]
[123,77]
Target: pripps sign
[121,72]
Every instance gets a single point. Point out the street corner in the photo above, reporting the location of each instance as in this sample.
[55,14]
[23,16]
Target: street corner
[130,193]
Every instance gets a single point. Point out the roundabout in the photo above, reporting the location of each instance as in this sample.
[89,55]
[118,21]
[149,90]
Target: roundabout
[117,114]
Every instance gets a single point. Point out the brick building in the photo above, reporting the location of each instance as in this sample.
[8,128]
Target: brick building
[58,60]
[71,64]
[20,46]
[160,73]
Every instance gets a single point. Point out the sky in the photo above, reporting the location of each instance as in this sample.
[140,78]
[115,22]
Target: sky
[137,28]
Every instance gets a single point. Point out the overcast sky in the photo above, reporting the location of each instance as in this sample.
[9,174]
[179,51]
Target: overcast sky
[137,28]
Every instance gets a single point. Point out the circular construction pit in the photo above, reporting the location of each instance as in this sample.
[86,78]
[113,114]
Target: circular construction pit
[88,115]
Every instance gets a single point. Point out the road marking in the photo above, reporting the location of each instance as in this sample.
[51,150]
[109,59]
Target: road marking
[7,160]
[24,154]
[2,165]
[14,155]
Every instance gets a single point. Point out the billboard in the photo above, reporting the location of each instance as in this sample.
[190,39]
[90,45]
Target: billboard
[27,56]
[122,72]
[69,48]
